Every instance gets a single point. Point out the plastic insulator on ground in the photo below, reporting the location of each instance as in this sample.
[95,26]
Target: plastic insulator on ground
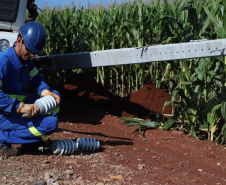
[68,146]
[88,144]
[64,147]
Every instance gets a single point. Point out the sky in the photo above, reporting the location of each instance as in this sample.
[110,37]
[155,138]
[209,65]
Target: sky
[61,3]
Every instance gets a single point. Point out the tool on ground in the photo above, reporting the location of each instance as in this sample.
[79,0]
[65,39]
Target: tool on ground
[68,146]
[46,105]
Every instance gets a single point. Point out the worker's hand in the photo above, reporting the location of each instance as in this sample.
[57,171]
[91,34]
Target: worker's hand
[48,92]
[30,110]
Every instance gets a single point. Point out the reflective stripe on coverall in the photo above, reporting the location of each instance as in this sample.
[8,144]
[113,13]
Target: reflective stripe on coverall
[14,78]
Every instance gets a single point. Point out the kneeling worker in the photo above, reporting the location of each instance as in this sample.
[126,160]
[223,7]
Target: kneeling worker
[17,72]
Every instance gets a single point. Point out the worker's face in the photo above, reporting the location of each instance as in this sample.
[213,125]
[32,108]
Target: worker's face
[25,53]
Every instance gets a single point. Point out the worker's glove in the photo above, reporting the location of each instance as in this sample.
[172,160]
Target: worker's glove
[30,110]
[48,92]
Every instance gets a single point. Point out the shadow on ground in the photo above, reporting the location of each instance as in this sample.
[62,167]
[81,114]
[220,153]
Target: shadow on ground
[85,101]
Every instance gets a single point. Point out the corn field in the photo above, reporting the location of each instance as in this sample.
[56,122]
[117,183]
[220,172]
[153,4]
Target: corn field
[197,86]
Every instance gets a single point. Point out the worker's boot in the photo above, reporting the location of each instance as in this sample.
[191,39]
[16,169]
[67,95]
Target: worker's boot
[8,151]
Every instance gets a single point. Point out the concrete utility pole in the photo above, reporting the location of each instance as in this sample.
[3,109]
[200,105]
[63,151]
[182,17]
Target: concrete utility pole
[156,53]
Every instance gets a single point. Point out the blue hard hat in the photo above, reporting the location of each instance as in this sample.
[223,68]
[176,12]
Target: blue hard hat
[34,36]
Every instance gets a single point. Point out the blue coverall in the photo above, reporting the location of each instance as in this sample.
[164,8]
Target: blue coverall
[15,77]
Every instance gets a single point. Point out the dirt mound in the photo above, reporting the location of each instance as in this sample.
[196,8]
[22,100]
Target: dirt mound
[150,99]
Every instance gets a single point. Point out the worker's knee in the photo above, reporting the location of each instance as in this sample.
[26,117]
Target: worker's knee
[49,125]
